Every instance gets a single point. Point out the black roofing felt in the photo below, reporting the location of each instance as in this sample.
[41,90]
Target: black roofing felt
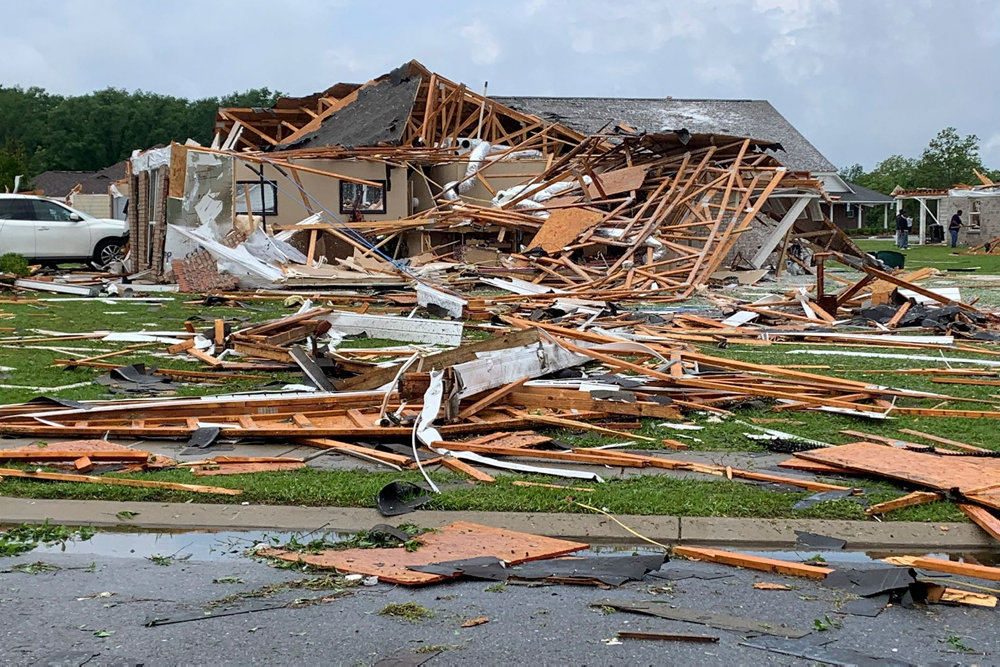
[744,118]
[377,116]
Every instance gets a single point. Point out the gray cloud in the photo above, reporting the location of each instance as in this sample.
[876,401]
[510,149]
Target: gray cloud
[862,79]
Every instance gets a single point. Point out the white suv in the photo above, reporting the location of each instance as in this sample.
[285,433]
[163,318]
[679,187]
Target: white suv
[47,231]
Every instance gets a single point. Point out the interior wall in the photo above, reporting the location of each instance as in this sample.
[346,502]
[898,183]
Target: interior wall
[325,190]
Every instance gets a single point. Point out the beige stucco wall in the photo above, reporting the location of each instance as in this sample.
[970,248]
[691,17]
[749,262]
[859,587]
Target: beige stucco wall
[326,190]
[98,206]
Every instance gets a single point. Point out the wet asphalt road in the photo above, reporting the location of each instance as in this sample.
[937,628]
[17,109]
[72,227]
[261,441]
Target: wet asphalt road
[45,621]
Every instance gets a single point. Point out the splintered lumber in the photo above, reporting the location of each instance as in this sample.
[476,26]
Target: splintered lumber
[468,352]
[753,562]
[70,455]
[471,471]
[973,477]
[948,566]
[71,450]
[490,399]
[118,481]
[348,448]
[457,541]
[577,425]
[212,468]
[981,516]
[909,500]
[943,441]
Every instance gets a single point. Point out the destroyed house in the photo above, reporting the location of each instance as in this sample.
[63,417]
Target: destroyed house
[411,170]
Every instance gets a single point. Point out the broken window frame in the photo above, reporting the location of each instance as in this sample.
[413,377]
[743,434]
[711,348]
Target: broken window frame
[347,197]
[975,214]
[259,204]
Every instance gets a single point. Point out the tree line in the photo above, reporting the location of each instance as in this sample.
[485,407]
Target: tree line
[40,131]
[949,159]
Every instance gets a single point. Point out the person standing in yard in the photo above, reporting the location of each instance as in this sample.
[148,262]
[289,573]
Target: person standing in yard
[902,232]
[954,226]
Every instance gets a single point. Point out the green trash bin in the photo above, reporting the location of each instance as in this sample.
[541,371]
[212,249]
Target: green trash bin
[891,258]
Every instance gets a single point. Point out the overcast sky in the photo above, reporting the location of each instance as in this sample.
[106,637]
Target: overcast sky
[861,79]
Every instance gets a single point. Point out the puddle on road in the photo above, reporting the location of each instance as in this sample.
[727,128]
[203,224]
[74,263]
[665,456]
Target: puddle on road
[231,545]
[187,545]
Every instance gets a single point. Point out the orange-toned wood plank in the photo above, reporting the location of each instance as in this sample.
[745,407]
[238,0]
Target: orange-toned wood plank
[118,481]
[463,467]
[949,566]
[981,516]
[909,500]
[490,399]
[753,562]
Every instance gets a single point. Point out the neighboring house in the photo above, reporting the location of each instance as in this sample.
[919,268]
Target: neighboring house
[87,191]
[847,210]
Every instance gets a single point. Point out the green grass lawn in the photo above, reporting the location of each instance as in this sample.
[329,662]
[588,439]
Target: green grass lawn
[644,495]
[940,256]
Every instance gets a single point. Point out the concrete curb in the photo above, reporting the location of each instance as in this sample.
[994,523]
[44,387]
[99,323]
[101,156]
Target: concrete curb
[743,533]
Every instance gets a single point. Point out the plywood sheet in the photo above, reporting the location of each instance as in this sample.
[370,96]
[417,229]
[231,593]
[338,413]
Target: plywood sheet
[967,474]
[457,541]
[563,227]
[619,180]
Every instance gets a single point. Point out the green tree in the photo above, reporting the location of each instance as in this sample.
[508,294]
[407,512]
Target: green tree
[949,160]
[892,172]
[852,173]
[13,163]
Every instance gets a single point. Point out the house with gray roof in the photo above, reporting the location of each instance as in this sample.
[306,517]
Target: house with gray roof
[757,119]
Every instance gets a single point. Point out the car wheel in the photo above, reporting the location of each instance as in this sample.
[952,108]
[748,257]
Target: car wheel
[107,251]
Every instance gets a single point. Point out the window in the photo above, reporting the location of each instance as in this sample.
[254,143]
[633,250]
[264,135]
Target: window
[362,198]
[975,219]
[263,197]
[47,211]
[16,209]
[849,211]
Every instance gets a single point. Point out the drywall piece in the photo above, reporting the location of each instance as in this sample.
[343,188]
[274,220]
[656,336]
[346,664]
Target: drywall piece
[414,330]
[521,467]
[450,303]
[46,286]
[236,261]
[522,287]
[739,318]
[952,293]
[456,541]
[563,227]
[497,368]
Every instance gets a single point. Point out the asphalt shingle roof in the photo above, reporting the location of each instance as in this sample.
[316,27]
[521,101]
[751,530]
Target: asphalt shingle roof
[756,119]
[59,183]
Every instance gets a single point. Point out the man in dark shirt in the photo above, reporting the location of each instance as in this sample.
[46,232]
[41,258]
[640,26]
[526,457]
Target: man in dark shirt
[954,226]
[902,232]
